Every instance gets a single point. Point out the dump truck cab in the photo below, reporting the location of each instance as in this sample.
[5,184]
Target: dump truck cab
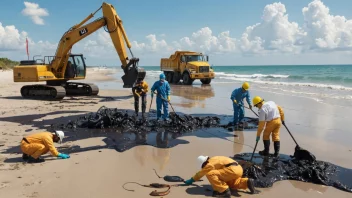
[187,66]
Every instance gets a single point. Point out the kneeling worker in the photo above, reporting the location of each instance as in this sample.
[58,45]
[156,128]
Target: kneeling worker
[273,116]
[223,173]
[35,145]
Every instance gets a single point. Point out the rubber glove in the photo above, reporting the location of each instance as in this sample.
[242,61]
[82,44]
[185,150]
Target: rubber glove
[63,156]
[257,139]
[283,122]
[168,98]
[189,182]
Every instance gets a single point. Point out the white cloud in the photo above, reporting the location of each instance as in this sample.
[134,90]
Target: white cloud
[274,33]
[204,41]
[326,31]
[35,12]
[11,38]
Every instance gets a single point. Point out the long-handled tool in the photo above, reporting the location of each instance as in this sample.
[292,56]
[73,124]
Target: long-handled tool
[248,108]
[300,153]
[255,147]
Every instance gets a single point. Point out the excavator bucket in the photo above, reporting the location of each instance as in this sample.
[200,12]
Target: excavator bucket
[132,73]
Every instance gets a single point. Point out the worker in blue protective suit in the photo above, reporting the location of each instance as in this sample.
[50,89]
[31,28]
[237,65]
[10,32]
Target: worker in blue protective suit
[163,96]
[237,97]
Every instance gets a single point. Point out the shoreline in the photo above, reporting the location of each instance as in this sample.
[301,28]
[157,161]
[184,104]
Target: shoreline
[111,168]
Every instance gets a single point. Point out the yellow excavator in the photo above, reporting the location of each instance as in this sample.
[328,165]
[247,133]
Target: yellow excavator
[57,70]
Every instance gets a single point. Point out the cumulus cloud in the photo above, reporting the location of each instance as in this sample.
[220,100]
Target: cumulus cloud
[11,38]
[35,12]
[326,31]
[203,40]
[274,33]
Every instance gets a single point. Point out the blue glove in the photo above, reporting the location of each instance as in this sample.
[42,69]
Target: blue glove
[189,182]
[257,139]
[63,156]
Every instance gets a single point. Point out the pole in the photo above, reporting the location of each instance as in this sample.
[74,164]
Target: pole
[254,151]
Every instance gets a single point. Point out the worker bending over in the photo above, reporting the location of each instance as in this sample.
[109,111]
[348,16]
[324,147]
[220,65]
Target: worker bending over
[140,90]
[35,145]
[273,116]
[237,97]
[222,173]
[163,96]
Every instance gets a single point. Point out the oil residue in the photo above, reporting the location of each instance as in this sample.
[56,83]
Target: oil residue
[267,170]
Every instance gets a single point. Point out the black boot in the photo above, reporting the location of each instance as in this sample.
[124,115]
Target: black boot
[265,152]
[277,148]
[250,184]
[25,157]
[32,160]
[226,193]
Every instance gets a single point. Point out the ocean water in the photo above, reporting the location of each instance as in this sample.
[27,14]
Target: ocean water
[323,83]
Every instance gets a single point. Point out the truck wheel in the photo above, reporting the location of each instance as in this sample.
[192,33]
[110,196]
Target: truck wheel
[169,77]
[176,78]
[187,79]
[206,81]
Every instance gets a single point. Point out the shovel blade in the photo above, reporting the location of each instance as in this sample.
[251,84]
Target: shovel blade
[302,154]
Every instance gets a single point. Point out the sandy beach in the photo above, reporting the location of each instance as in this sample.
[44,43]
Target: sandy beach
[97,170]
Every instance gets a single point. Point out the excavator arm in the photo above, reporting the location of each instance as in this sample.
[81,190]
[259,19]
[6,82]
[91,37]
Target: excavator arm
[115,28]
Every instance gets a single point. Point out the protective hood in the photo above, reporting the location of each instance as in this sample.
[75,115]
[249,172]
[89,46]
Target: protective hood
[61,135]
[202,159]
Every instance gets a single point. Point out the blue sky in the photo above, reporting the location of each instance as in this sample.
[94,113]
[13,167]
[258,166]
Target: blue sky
[171,21]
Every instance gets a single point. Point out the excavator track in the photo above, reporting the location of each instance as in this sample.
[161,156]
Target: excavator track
[45,92]
[81,89]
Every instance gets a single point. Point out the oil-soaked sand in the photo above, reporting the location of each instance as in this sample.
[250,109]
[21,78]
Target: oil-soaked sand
[267,170]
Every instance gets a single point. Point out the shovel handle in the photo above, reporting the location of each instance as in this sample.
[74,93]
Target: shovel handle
[290,134]
[256,143]
[250,109]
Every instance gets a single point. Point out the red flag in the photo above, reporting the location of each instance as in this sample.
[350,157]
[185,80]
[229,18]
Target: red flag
[27,47]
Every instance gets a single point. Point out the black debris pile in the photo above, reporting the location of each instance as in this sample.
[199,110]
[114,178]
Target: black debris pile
[119,119]
[267,170]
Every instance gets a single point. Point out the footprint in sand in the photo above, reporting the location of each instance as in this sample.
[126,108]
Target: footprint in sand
[4,184]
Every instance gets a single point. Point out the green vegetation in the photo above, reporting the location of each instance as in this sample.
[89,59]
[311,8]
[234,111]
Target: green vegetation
[6,63]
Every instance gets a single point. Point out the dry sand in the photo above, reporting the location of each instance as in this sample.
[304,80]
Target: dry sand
[97,171]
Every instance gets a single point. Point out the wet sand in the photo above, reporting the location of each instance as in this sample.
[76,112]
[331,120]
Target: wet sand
[97,170]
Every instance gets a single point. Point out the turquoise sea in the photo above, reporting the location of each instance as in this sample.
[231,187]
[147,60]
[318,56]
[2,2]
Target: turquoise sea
[319,82]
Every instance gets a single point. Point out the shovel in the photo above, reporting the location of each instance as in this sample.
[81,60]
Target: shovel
[171,106]
[300,153]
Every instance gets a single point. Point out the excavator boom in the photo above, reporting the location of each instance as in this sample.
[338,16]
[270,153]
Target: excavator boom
[118,35]
[65,66]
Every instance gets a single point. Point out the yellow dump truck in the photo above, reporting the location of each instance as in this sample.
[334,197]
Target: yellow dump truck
[187,66]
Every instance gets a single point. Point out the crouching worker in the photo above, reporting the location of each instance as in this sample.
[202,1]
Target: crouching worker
[35,145]
[223,173]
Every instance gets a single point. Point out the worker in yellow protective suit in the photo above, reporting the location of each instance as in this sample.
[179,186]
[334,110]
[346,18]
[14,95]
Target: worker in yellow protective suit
[35,145]
[140,90]
[272,115]
[222,173]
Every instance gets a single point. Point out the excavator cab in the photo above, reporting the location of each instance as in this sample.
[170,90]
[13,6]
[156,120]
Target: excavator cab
[76,67]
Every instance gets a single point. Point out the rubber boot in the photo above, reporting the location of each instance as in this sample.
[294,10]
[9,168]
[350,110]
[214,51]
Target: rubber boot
[265,152]
[250,184]
[25,157]
[226,193]
[276,148]
[32,160]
